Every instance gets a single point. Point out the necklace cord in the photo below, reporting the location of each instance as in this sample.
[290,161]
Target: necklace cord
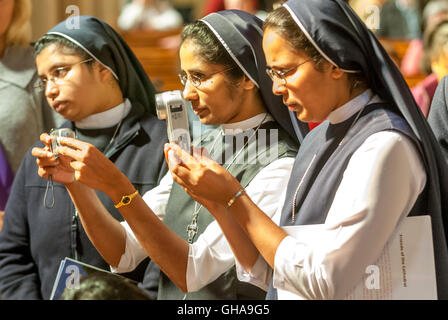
[192,228]
[293,210]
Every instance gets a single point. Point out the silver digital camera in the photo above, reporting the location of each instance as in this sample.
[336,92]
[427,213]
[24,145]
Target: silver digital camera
[172,107]
[55,134]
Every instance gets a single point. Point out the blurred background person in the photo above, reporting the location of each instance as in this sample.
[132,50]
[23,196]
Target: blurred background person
[6,179]
[401,19]
[434,62]
[255,7]
[438,116]
[213,6]
[149,15]
[433,13]
[24,113]
[277,3]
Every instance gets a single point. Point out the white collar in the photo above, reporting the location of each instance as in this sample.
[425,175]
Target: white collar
[350,108]
[234,128]
[105,119]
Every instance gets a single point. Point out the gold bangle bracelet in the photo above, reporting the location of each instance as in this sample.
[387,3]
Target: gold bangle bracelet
[126,200]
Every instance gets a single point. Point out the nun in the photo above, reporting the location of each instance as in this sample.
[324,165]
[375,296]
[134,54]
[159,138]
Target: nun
[91,77]
[372,163]
[224,78]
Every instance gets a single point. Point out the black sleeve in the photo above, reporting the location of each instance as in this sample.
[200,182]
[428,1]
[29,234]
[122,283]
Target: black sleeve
[18,273]
[438,116]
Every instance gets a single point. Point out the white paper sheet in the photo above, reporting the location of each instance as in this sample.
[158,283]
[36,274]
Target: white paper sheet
[404,271]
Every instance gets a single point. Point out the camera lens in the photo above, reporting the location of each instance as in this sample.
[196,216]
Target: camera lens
[160,106]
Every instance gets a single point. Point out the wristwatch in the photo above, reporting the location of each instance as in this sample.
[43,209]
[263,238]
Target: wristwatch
[126,200]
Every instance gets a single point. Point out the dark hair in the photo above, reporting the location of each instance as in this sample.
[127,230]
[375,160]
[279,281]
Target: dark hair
[105,287]
[210,49]
[283,23]
[67,46]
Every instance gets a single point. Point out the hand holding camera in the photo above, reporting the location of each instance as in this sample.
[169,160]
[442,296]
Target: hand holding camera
[50,165]
[55,134]
[172,107]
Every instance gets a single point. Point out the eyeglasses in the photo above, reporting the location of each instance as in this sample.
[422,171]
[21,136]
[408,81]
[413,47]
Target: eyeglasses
[281,75]
[58,75]
[196,80]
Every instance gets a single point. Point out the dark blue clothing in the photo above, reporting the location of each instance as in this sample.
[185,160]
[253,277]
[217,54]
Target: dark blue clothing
[322,179]
[438,116]
[35,239]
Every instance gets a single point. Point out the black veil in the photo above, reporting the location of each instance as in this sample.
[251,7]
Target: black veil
[241,35]
[104,44]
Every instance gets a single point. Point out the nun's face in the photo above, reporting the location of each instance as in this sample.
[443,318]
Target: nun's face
[310,93]
[215,100]
[72,88]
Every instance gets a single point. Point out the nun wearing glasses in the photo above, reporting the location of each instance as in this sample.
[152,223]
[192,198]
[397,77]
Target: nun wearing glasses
[224,78]
[91,78]
[372,163]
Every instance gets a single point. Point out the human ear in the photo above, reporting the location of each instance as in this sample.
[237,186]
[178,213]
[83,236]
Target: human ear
[104,74]
[247,84]
[336,72]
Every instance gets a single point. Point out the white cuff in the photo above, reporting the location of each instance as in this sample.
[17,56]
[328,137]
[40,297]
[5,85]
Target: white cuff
[134,253]
[282,262]
[298,268]
[260,275]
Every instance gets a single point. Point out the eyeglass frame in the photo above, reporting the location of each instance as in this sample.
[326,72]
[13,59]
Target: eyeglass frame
[42,84]
[185,77]
[281,75]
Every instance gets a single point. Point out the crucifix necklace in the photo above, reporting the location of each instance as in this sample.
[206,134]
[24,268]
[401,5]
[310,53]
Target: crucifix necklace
[192,228]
